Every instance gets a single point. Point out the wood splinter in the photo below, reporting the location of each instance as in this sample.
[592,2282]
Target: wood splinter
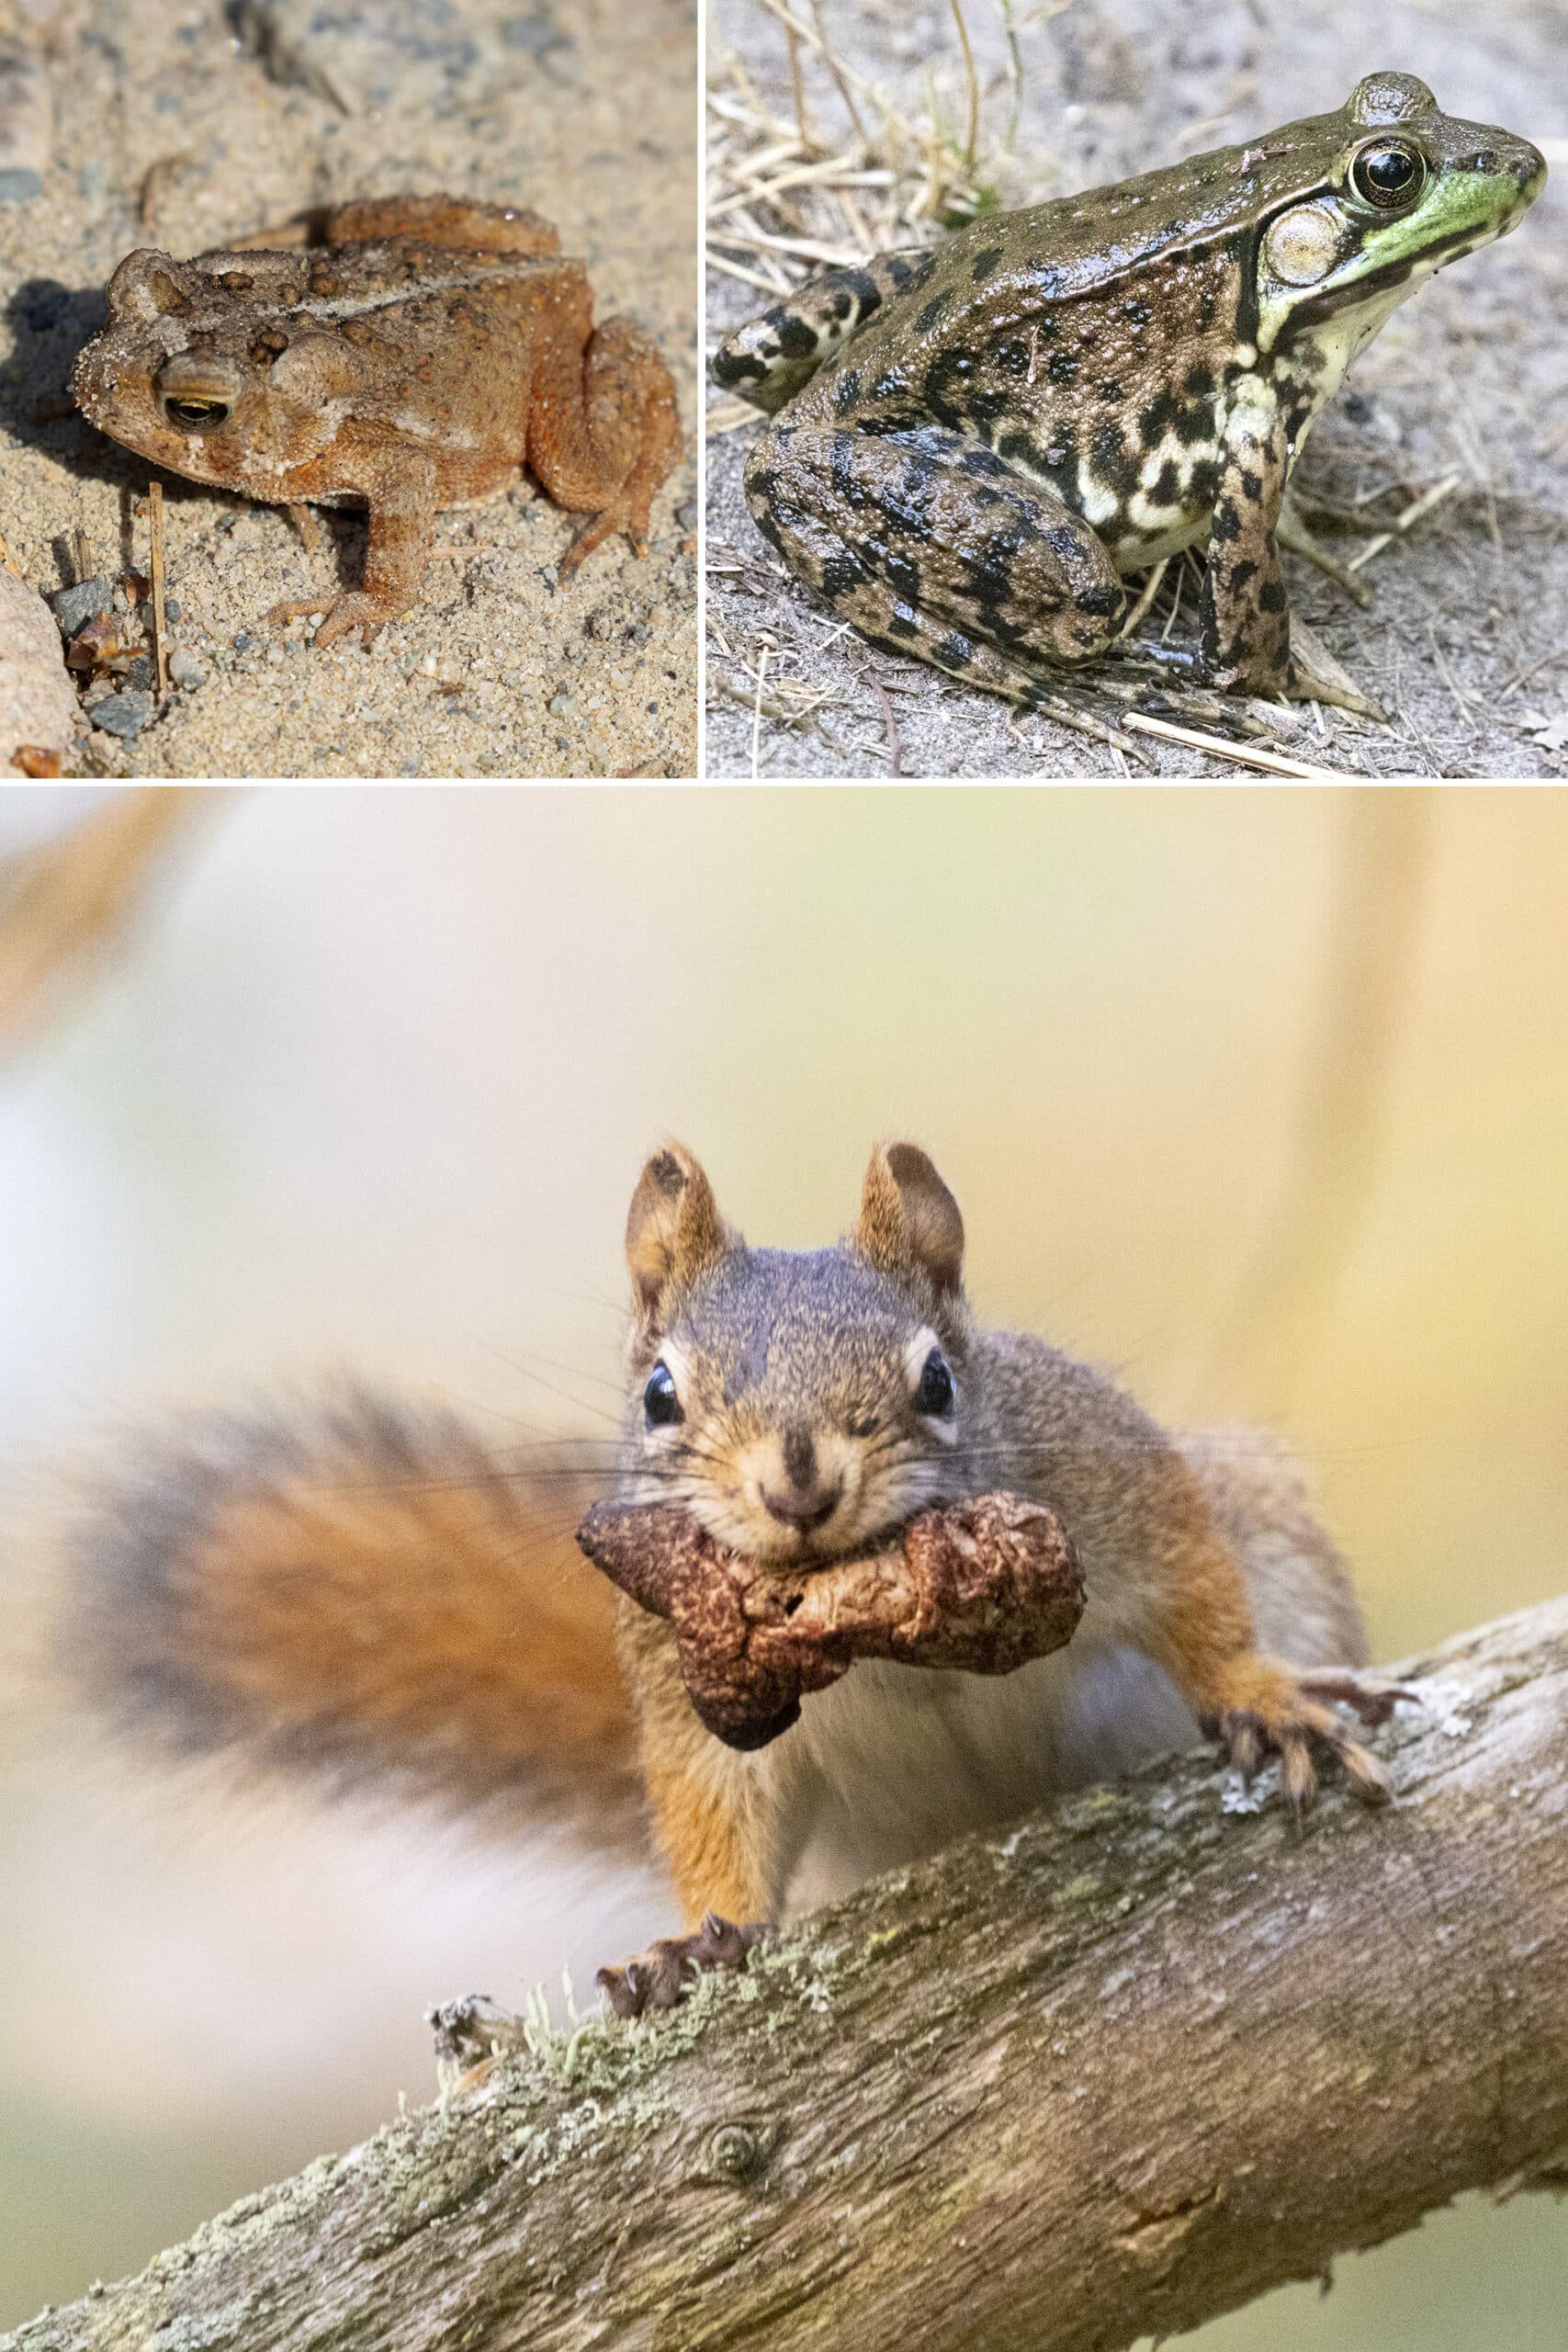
[983,1586]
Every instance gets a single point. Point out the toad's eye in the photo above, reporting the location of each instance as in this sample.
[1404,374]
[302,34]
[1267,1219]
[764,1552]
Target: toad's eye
[660,1403]
[934,1395]
[1390,175]
[197,416]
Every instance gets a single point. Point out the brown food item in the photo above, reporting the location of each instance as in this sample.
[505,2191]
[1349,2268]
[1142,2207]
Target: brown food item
[982,1585]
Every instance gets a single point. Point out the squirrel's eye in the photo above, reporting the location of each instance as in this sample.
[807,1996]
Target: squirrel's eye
[934,1395]
[660,1403]
[1389,175]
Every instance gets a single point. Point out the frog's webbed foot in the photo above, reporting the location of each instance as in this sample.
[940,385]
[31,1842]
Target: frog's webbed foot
[1317,676]
[660,1977]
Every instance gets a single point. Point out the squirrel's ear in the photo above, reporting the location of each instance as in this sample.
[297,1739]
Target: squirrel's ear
[673,1226]
[908,1218]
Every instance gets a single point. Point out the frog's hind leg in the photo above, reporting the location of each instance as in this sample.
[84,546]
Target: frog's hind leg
[770,359]
[604,433]
[931,546]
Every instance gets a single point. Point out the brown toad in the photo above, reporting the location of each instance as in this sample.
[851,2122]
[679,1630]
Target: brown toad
[415,354]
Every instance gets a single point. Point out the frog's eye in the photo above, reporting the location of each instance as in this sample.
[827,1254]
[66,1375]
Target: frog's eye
[1391,174]
[661,1402]
[194,415]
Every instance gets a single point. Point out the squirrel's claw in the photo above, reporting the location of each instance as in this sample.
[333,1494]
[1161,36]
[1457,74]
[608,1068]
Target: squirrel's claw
[660,1977]
[1271,1713]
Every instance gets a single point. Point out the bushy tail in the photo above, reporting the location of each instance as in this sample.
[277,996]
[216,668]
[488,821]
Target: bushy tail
[367,1591]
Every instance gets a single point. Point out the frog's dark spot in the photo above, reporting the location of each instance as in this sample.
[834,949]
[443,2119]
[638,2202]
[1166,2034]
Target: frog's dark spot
[985,265]
[1064,541]
[846,392]
[1195,424]
[1101,600]
[1110,460]
[887,384]
[1240,573]
[986,407]
[954,652]
[845,475]
[1139,311]
[762,517]
[270,344]
[1251,484]
[990,571]
[842,572]
[1045,329]
[1226,524]
[1062,367]
[983,461]
[933,311]
[946,375]
[902,576]
[1011,358]
[1163,412]
[867,294]
[797,340]
[844,302]
[1167,490]
[1205,483]
[735,368]
[904,621]
[920,273]
[1273,597]
[1108,390]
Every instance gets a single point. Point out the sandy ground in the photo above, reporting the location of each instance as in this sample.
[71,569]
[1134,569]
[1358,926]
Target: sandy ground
[584,111]
[1465,641]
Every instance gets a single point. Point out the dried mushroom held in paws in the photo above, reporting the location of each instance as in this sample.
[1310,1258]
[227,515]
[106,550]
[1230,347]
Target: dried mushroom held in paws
[981,1586]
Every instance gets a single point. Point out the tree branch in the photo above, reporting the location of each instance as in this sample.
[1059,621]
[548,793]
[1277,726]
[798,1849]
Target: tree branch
[1104,2077]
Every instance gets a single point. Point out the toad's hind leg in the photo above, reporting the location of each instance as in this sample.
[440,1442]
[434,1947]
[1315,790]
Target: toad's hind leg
[603,434]
[930,544]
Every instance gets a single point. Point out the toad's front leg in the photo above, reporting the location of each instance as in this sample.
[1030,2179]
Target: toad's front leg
[932,545]
[400,491]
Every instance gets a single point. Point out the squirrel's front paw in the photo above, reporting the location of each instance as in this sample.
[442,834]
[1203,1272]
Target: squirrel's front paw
[1262,1710]
[660,1977]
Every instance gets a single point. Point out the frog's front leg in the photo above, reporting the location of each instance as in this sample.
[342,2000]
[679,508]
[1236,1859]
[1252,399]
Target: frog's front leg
[775,355]
[932,545]
[400,493]
[1245,614]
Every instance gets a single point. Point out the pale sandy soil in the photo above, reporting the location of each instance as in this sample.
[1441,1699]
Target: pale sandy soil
[1464,643]
[583,111]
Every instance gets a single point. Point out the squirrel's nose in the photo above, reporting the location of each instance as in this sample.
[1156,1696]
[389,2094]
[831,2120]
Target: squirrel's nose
[800,1512]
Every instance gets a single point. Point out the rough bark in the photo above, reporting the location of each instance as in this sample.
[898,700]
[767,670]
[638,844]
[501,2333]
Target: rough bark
[1104,2077]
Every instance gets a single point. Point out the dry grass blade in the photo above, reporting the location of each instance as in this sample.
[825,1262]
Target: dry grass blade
[160,623]
[1247,755]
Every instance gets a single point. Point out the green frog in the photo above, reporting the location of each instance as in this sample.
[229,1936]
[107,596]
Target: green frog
[975,445]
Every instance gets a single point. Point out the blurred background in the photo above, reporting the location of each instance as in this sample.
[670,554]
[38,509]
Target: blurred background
[1258,1096]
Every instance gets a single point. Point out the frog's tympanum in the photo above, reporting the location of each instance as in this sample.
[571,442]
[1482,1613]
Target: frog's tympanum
[416,358]
[976,443]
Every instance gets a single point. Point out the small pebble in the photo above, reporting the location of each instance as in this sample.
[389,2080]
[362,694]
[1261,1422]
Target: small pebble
[559,703]
[170,609]
[143,671]
[74,607]
[274,654]
[243,640]
[124,714]
[186,669]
